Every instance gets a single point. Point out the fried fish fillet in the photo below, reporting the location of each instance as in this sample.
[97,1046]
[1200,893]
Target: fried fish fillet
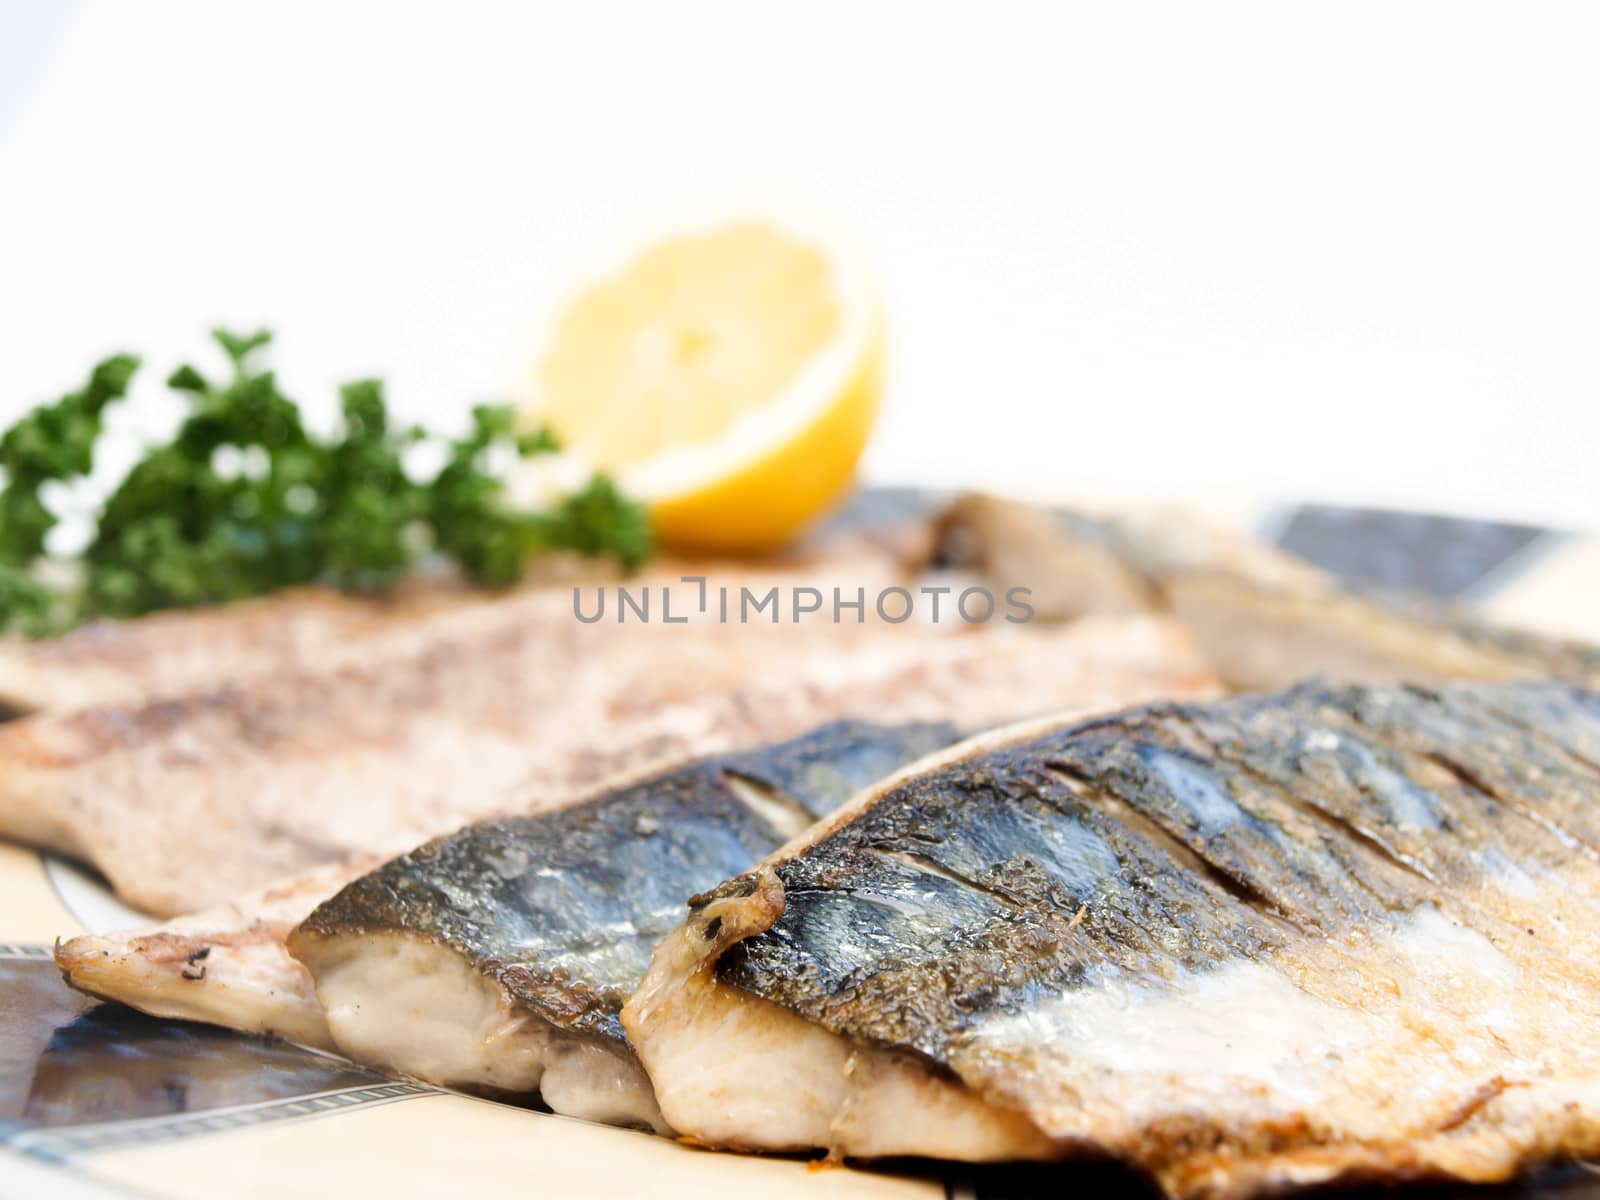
[420,712]
[250,982]
[1263,618]
[498,957]
[1334,933]
[184,801]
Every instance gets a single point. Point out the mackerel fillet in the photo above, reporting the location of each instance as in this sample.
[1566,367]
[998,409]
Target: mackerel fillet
[1328,934]
[497,958]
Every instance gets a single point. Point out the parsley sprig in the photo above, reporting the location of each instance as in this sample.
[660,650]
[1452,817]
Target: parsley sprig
[244,499]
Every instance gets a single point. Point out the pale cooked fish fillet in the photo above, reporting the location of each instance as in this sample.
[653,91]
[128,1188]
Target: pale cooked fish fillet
[1263,618]
[1335,933]
[418,714]
[983,678]
[181,802]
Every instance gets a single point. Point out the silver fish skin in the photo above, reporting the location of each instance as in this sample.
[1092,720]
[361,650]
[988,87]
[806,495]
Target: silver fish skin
[545,924]
[1341,932]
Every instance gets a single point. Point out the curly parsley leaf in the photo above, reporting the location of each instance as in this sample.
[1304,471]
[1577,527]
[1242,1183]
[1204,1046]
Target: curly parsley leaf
[28,606]
[53,443]
[244,500]
[599,520]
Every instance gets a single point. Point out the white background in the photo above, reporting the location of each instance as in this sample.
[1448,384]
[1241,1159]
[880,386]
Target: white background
[1334,250]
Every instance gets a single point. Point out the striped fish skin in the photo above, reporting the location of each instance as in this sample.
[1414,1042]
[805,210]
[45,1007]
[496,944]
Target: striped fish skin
[556,917]
[1343,931]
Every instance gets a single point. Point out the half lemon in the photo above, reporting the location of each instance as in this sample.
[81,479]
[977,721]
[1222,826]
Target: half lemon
[728,379]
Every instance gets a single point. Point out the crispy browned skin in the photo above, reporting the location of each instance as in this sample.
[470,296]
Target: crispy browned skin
[1264,619]
[180,803]
[1340,932]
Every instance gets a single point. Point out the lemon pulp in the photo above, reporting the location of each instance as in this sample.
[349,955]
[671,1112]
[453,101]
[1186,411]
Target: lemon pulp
[729,379]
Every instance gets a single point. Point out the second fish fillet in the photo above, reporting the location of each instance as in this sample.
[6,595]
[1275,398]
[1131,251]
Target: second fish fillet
[498,957]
